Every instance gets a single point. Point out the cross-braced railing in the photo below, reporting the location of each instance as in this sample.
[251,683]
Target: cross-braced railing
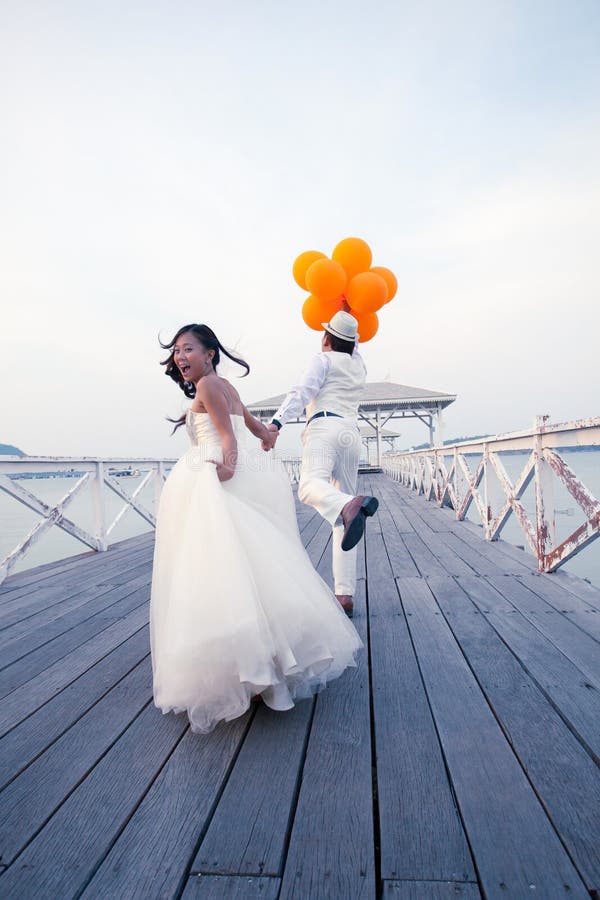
[458,475]
[96,476]
[93,473]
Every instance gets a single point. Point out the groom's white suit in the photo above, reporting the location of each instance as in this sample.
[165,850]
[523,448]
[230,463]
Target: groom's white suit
[330,390]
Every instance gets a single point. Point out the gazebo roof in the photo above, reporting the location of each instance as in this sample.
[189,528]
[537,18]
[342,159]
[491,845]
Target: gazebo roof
[378,395]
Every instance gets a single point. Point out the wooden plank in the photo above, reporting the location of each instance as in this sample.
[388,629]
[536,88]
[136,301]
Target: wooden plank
[33,796]
[452,563]
[421,835]
[115,578]
[19,704]
[95,568]
[577,646]
[400,559]
[361,569]
[513,842]
[311,528]
[424,514]
[319,540]
[56,594]
[424,559]
[478,561]
[577,700]
[305,515]
[21,745]
[26,667]
[494,551]
[562,772]
[25,636]
[577,586]
[331,850]
[515,561]
[48,570]
[231,887]
[393,503]
[63,856]
[443,519]
[248,832]
[430,890]
[417,521]
[575,608]
[152,854]
[370,486]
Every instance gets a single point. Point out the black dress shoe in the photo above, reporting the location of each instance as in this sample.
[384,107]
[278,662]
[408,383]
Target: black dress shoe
[354,514]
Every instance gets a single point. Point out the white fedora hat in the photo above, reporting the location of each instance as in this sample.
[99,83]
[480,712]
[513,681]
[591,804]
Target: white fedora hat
[342,325]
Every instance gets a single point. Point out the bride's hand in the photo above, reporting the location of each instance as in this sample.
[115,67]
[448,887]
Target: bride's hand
[269,437]
[224,473]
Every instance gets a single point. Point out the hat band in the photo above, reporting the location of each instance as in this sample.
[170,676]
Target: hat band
[338,334]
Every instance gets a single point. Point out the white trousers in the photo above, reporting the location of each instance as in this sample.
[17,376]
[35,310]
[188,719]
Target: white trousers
[328,475]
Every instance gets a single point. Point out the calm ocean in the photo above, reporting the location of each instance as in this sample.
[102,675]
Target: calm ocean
[16,520]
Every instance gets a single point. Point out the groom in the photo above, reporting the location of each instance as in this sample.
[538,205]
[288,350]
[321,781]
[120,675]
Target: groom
[331,389]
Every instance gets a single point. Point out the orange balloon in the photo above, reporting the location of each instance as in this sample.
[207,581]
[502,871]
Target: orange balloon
[326,279]
[303,263]
[367,292]
[368,324]
[354,255]
[315,311]
[389,278]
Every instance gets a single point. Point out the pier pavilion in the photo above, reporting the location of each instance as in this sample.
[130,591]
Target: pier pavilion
[387,438]
[384,401]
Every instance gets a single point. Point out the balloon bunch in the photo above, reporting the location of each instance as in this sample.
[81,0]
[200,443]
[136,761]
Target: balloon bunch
[346,281]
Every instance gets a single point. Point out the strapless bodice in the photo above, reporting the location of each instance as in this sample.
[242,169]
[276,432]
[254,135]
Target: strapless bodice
[201,429]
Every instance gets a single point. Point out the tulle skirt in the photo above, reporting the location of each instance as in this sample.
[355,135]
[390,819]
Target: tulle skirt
[237,608]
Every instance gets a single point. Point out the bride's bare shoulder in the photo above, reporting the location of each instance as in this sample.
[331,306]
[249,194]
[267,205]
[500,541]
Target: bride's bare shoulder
[231,394]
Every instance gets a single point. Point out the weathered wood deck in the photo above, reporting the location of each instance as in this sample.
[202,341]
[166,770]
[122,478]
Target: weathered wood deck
[460,758]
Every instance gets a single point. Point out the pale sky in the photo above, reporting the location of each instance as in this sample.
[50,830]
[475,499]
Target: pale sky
[165,162]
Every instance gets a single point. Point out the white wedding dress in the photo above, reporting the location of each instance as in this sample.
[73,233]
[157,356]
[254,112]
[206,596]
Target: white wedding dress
[236,606]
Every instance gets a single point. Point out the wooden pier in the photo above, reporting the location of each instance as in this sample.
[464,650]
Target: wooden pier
[460,759]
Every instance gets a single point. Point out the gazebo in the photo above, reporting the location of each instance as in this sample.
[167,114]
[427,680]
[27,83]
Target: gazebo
[383,402]
[388,437]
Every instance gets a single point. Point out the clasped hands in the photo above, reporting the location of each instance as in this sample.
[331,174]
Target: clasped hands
[269,441]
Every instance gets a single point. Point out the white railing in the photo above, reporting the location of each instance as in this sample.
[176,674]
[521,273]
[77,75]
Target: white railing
[94,476]
[458,475]
[292,467]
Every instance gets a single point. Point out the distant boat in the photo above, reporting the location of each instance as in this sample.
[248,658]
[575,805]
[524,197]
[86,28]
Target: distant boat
[125,473]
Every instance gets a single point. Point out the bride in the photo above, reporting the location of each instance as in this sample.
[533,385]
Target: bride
[237,609]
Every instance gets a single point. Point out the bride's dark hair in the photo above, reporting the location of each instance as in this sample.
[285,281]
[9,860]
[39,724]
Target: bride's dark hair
[209,341]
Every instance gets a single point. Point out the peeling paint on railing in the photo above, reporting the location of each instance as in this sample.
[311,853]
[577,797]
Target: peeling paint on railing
[456,485]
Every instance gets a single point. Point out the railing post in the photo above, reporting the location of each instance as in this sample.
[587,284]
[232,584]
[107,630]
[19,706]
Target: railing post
[543,495]
[99,510]
[439,427]
[159,477]
[486,499]
[456,484]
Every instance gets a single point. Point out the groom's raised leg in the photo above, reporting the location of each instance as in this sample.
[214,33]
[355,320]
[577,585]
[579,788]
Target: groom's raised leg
[345,479]
[320,457]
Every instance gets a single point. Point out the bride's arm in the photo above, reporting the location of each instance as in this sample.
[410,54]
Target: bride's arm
[255,426]
[216,406]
